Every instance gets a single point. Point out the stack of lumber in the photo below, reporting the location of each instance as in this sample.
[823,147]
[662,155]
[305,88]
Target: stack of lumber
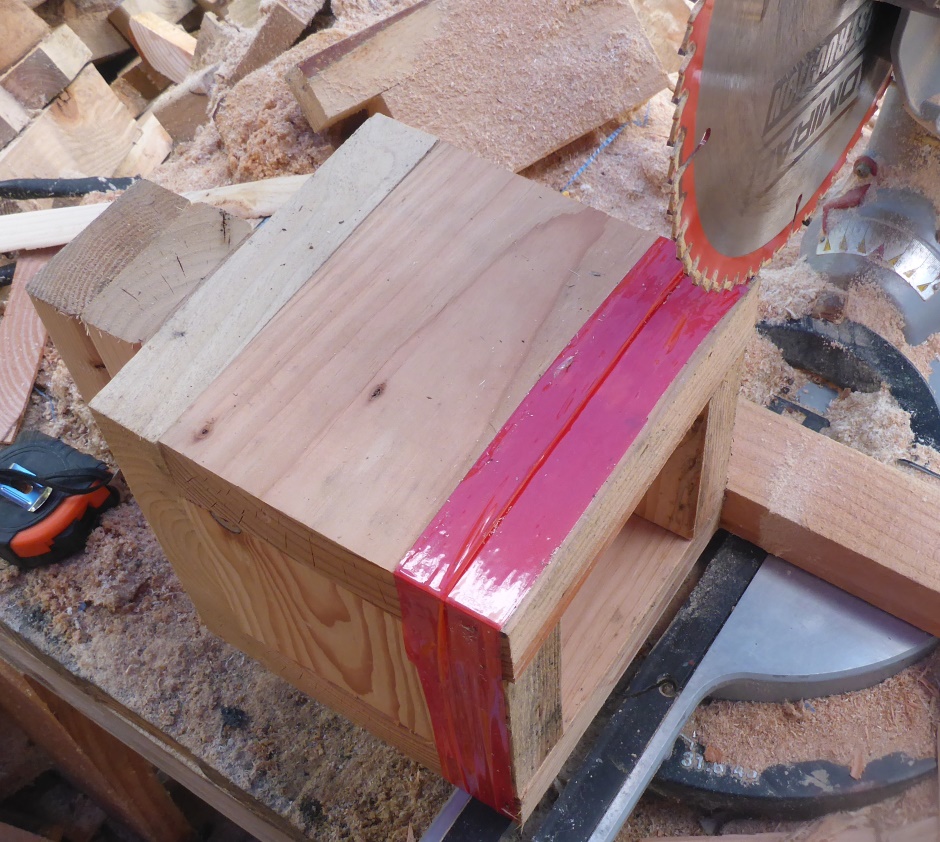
[381,399]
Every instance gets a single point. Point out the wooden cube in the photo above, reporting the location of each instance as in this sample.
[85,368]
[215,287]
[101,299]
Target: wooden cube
[393,445]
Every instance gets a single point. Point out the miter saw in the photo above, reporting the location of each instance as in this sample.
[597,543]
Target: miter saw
[772,97]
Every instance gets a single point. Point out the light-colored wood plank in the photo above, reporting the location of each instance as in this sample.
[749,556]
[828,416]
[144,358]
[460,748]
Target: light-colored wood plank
[77,274]
[149,150]
[22,338]
[86,131]
[169,10]
[425,344]
[443,66]
[867,527]
[44,72]
[166,47]
[13,118]
[58,226]
[22,30]
[137,299]
[118,779]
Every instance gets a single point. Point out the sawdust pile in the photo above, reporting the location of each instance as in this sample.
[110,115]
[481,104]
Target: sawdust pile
[898,715]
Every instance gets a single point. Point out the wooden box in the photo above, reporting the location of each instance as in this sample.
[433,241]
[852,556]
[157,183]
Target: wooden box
[393,444]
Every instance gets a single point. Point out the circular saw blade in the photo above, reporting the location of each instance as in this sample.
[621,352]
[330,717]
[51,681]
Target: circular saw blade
[773,95]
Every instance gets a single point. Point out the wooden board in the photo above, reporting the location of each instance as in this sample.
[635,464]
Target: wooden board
[58,226]
[86,131]
[444,66]
[166,754]
[116,778]
[22,30]
[866,527]
[22,338]
[166,47]
[47,69]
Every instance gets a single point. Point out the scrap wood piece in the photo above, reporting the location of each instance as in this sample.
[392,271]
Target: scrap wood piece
[85,131]
[22,30]
[137,85]
[866,527]
[183,108]
[172,11]
[501,81]
[115,777]
[152,248]
[58,226]
[95,30]
[277,31]
[166,47]
[22,339]
[149,150]
[138,300]
[44,72]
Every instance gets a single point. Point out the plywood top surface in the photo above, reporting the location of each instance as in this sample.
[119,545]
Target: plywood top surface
[358,409]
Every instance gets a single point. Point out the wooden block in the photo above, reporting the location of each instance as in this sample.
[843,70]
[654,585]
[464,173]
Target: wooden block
[278,30]
[169,10]
[86,131]
[13,834]
[380,477]
[243,13]
[77,274]
[182,109]
[58,226]
[22,339]
[444,66]
[13,118]
[116,778]
[866,527]
[22,30]
[139,298]
[47,69]
[137,85]
[95,30]
[149,150]
[213,41]
[166,47]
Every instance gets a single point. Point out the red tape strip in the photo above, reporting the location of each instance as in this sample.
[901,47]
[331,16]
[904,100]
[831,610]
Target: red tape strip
[498,531]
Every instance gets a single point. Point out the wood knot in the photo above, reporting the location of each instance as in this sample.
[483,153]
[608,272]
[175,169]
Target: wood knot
[205,430]
[378,391]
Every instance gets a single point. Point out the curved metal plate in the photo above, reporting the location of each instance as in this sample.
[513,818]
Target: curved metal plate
[781,90]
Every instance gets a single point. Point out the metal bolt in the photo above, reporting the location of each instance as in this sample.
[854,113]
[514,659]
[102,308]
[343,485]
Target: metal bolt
[865,167]
[667,688]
